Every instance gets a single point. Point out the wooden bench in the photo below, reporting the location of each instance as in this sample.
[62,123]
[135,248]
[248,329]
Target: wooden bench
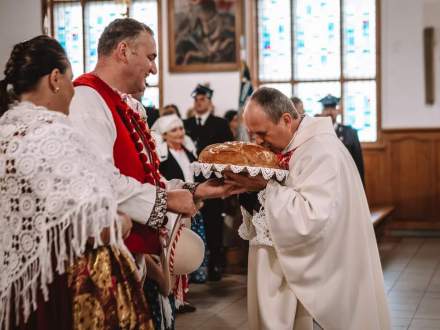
[378,217]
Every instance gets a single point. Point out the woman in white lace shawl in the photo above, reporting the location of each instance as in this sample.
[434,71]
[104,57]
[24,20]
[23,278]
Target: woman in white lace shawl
[63,263]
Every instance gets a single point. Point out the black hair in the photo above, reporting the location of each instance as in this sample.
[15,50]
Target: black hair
[230,114]
[28,63]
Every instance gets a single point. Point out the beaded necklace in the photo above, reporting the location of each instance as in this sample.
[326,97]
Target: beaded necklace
[143,141]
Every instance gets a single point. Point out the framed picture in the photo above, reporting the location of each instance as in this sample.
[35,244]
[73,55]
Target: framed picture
[204,35]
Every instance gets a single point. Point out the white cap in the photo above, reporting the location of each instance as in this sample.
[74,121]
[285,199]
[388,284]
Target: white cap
[167,123]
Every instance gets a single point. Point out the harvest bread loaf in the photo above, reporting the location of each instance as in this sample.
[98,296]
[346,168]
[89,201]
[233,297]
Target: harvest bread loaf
[239,153]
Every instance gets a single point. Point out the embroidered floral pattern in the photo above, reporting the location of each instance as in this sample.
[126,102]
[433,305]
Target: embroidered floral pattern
[191,187]
[158,215]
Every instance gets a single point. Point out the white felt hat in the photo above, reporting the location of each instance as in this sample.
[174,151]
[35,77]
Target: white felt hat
[185,249]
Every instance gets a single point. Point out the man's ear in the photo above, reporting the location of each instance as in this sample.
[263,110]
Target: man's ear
[287,118]
[122,51]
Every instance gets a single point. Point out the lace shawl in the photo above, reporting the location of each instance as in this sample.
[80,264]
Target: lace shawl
[54,195]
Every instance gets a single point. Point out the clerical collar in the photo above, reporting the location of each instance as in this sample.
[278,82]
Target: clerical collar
[203,118]
[300,126]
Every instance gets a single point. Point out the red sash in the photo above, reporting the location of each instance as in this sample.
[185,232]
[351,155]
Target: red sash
[127,158]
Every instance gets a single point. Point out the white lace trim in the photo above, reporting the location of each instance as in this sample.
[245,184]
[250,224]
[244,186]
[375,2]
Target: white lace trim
[206,169]
[54,196]
[254,228]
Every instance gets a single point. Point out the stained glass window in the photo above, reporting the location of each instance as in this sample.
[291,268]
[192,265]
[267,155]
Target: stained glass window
[69,32]
[145,11]
[274,47]
[321,47]
[317,42]
[359,39]
[311,92]
[77,25]
[97,16]
[359,108]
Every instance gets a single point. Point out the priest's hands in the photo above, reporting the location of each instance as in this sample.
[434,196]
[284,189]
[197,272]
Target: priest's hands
[216,188]
[246,182]
[181,201]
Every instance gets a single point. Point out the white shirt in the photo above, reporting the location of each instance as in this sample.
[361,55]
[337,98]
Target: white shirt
[182,159]
[90,114]
[203,118]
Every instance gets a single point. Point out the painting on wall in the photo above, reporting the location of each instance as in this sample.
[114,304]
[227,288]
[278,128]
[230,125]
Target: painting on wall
[204,35]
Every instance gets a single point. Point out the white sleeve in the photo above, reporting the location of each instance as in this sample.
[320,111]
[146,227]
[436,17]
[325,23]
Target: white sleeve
[91,116]
[299,212]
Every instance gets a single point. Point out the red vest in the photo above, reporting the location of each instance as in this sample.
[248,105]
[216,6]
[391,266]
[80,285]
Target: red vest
[142,239]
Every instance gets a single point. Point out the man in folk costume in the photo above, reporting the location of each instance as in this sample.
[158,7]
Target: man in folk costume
[313,258]
[111,119]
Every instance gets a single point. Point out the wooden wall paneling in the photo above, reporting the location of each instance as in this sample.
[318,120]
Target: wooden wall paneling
[411,173]
[405,173]
[377,177]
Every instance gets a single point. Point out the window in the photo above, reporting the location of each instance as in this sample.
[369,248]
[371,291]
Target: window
[313,48]
[77,25]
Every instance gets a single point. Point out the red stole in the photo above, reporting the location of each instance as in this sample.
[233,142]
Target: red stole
[128,157]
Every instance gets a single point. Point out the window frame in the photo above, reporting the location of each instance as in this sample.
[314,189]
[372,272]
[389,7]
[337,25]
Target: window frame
[253,57]
[49,29]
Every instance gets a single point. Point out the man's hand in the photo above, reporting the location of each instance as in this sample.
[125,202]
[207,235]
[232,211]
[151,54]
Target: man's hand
[246,182]
[216,188]
[181,201]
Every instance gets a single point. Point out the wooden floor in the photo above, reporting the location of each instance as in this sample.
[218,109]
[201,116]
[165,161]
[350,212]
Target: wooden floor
[412,279]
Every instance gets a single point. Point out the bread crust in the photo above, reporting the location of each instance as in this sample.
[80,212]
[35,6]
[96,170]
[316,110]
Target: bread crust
[239,153]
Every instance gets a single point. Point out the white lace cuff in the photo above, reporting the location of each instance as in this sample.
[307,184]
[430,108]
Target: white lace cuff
[246,230]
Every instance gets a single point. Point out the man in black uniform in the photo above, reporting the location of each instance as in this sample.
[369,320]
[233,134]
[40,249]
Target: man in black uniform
[205,129]
[346,134]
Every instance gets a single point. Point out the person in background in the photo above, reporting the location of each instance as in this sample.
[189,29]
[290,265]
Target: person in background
[152,115]
[64,243]
[170,109]
[190,113]
[298,104]
[176,153]
[205,129]
[346,134]
[231,117]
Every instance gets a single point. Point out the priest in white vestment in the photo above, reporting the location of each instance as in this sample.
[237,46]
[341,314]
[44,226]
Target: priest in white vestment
[313,258]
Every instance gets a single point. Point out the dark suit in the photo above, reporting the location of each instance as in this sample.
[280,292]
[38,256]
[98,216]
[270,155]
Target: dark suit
[215,130]
[171,169]
[349,138]
[152,115]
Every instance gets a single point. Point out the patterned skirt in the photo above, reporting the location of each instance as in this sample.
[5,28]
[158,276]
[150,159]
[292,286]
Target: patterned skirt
[100,291]
[201,274]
